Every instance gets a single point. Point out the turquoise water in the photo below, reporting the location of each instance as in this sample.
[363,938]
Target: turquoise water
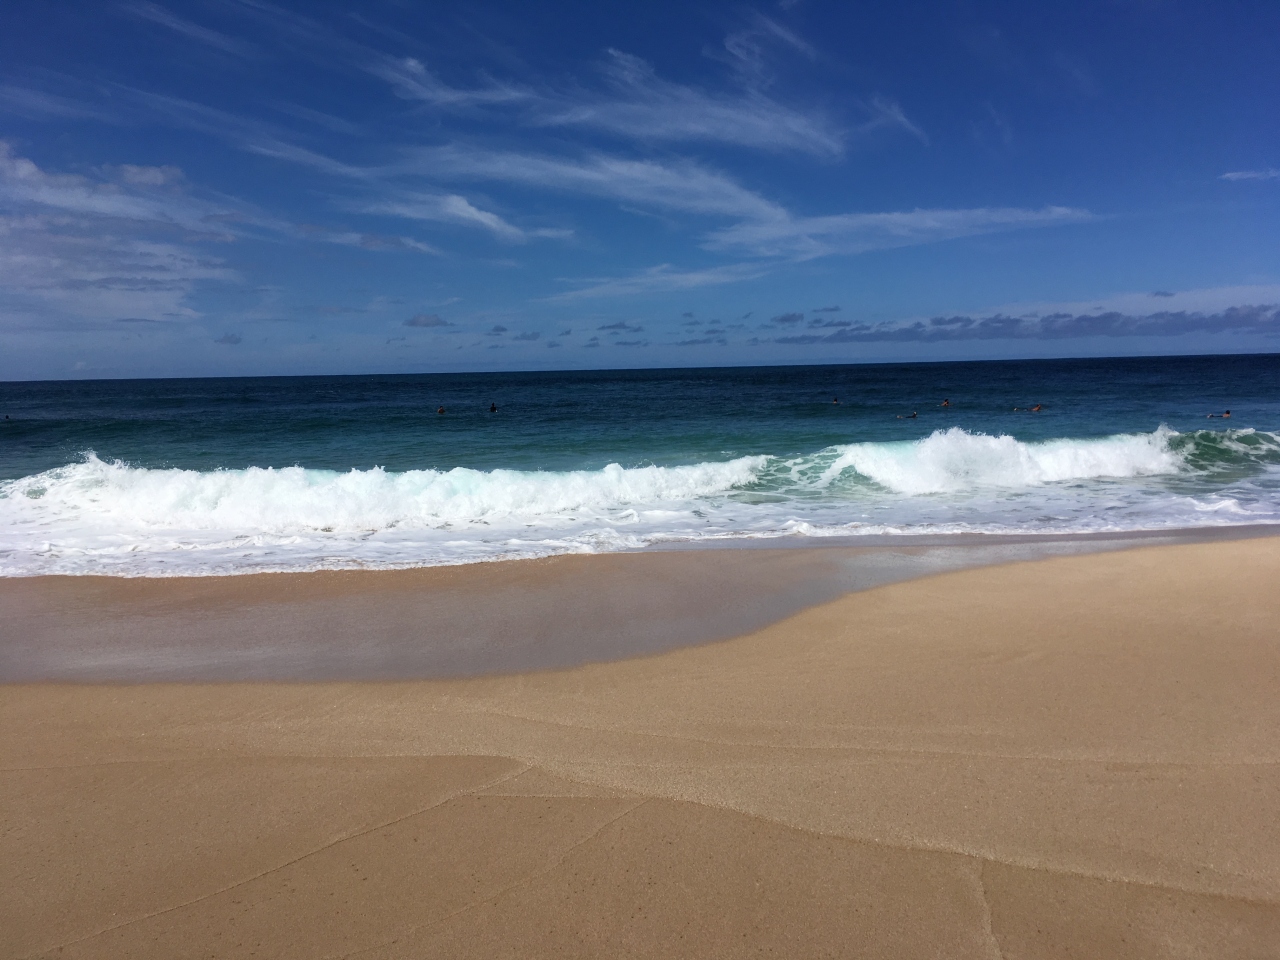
[233,475]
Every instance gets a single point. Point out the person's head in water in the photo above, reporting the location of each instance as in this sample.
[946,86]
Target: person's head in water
[835,399]
[945,403]
[493,408]
[1225,416]
[439,409]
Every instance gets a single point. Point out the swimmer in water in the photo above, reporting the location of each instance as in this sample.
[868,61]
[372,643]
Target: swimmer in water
[835,399]
[1036,408]
[912,417]
[439,409]
[1220,416]
[945,403]
[493,408]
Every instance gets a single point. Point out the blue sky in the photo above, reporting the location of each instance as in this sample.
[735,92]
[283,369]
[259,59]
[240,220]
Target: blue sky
[241,187]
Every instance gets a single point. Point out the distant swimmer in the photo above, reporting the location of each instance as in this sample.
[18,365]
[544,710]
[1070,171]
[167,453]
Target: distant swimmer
[1220,416]
[912,417]
[439,409]
[1037,408]
[945,403]
[833,400]
[493,408]
[1227,415]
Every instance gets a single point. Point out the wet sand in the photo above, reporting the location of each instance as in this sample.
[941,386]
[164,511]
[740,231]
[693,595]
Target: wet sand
[1073,757]
[468,620]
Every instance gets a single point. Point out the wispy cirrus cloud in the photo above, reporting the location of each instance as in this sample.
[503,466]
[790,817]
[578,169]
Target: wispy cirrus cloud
[422,184]
[682,185]
[639,105]
[803,238]
[246,133]
[1270,173]
[410,79]
[886,114]
[762,227]
[447,208]
[634,101]
[661,279]
[452,208]
[45,105]
[748,49]
[370,241]
[145,10]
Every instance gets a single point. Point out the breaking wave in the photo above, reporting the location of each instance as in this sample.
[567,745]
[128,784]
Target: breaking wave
[97,516]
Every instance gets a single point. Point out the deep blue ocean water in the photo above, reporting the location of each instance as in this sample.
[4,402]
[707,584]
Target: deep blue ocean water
[235,475]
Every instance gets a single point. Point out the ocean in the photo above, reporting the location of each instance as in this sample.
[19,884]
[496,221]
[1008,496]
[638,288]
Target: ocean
[226,476]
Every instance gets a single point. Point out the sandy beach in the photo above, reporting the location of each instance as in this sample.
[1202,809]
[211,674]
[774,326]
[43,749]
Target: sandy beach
[1072,757]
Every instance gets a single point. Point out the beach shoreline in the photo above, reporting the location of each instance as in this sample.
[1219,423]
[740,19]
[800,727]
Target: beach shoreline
[481,618]
[1073,756]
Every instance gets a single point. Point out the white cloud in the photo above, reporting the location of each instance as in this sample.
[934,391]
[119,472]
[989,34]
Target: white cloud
[43,105]
[373,241]
[60,270]
[1269,174]
[644,107]
[1247,320]
[661,279]
[747,50]
[408,76]
[886,114]
[681,185]
[140,176]
[803,238]
[1140,302]
[141,196]
[447,208]
[158,14]
[637,103]
[254,136]
[73,249]
[413,81]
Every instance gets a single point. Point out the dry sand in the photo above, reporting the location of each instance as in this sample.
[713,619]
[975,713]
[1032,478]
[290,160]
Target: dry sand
[1075,757]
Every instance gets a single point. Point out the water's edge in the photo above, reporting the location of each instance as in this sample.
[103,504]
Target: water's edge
[468,620]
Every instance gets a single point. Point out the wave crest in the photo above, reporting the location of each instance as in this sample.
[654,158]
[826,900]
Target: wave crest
[110,517]
[295,499]
[954,461]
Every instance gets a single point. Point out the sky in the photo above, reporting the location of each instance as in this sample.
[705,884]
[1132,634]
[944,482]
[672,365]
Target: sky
[240,187]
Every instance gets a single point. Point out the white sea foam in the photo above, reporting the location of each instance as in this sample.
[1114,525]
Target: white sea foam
[954,461]
[297,500]
[102,517]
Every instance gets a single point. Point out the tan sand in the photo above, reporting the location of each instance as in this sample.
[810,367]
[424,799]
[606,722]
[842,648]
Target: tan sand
[1071,758]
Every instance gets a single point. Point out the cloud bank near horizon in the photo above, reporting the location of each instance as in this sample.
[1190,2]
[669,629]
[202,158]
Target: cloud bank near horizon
[1263,319]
